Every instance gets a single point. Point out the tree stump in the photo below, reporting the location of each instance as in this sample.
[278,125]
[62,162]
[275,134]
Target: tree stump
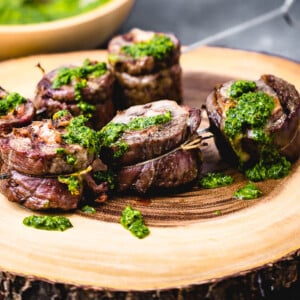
[204,244]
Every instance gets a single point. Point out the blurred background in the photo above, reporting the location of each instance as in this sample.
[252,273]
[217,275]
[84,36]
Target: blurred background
[194,20]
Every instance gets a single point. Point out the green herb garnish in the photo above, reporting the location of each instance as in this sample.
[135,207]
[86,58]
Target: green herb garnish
[79,76]
[78,133]
[159,47]
[249,191]
[72,181]
[10,102]
[240,87]
[88,209]
[58,223]
[110,135]
[106,176]
[214,180]
[133,221]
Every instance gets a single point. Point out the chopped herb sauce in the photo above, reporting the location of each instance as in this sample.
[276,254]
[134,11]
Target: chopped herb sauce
[78,133]
[79,76]
[272,165]
[215,180]
[251,111]
[249,191]
[58,223]
[106,176]
[70,159]
[72,181]
[88,209]
[240,87]
[158,47]
[110,135]
[10,103]
[133,221]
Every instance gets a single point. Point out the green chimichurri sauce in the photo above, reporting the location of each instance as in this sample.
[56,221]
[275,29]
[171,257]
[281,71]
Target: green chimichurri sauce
[111,134]
[36,11]
[133,221]
[240,87]
[73,182]
[251,111]
[58,223]
[10,102]
[78,133]
[158,47]
[215,180]
[106,176]
[88,209]
[79,76]
[249,191]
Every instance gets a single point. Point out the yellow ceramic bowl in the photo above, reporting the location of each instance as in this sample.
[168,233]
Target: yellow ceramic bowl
[84,31]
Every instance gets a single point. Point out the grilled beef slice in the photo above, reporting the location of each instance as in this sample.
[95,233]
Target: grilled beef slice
[282,125]
[37,193]
[176,168]
[32,150]
[144,79]
[98,92]
[153,141]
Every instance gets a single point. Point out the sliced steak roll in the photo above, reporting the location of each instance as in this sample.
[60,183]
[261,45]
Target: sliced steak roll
[134,90]
[39,149]
[125,55]
[171,170]
[244,141]
[15,111]
[146,66]
[147,131]
[85,89]
[37,193]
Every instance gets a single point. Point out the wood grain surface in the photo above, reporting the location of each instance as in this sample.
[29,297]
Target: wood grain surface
[198,237]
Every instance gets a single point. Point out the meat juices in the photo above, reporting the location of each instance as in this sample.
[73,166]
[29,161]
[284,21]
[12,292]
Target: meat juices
[282,125]
[145,78]
[97,91]
[155,157]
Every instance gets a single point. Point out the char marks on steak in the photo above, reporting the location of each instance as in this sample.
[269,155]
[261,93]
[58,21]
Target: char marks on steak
[156,140]
[37,193]
[170,170]
[98,92]
[32,150]
[144,79]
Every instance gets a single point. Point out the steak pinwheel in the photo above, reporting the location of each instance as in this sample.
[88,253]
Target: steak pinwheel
[153,146]
[46,163]
[146,66]
[15,111]
[256,125]
[86,89]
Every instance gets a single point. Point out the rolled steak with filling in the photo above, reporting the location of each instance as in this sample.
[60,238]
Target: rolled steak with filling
[15,111]
[154,155]
[281,127]
[146,66]
[39,149]
[148,142]
[82,89]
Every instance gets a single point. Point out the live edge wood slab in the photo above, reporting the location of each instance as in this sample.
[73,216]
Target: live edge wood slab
[203,243]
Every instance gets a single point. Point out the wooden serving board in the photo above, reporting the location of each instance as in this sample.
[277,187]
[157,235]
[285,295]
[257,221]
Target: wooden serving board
[203,243]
